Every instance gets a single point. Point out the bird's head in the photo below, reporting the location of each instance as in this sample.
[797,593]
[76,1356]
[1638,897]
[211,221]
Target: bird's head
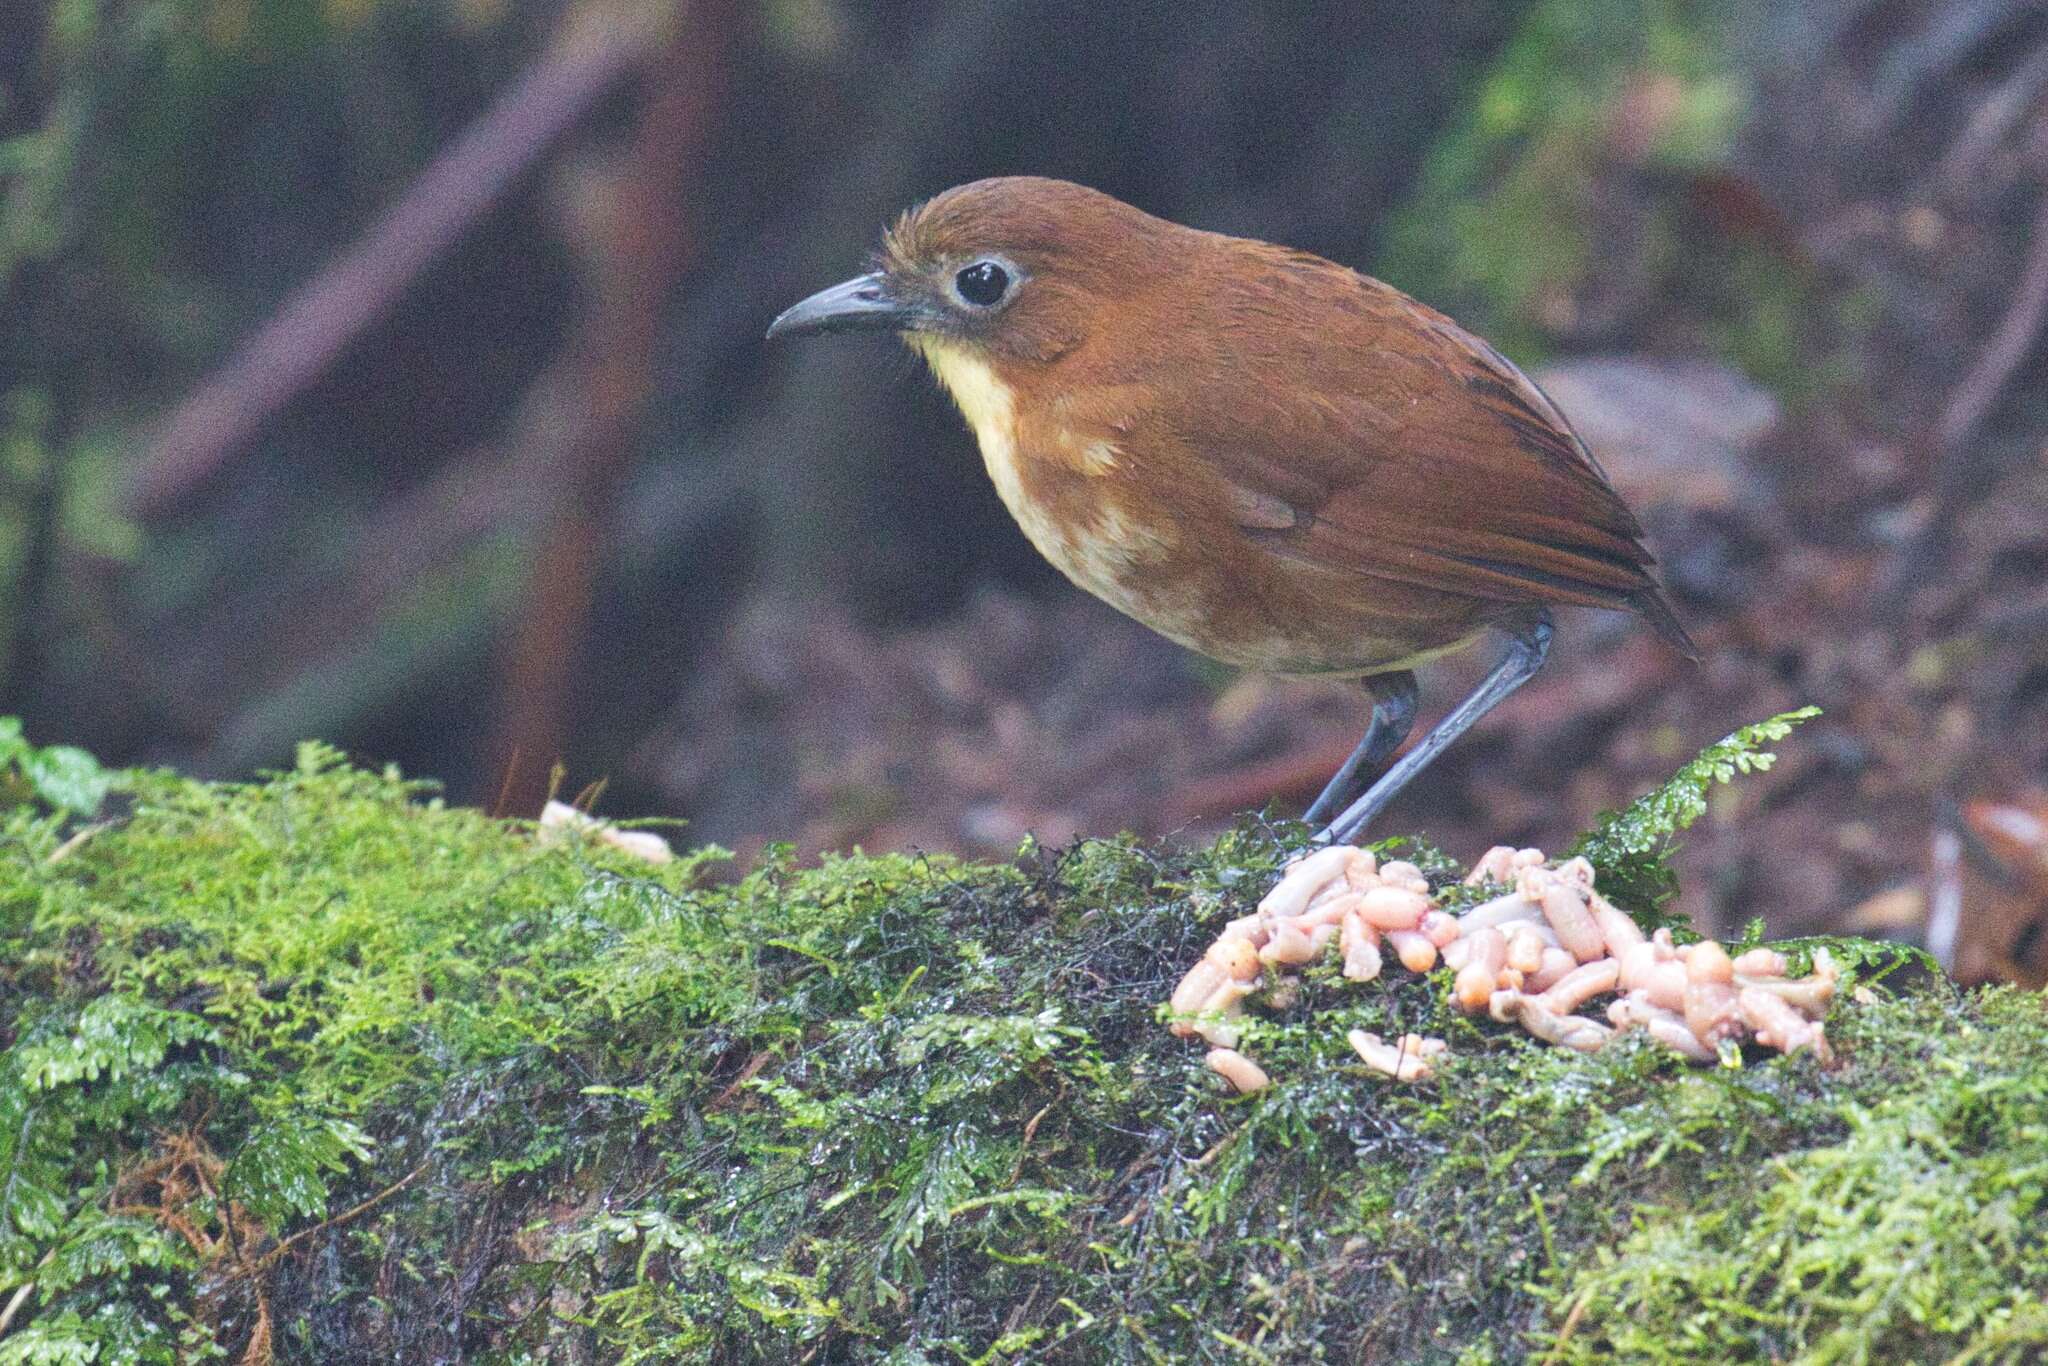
[1011,271]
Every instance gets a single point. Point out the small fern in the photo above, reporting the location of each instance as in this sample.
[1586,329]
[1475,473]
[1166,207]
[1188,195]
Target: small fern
[1863,962]
[282,1169]
[1631,848]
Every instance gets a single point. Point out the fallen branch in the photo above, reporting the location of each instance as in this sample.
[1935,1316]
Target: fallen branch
[357,287]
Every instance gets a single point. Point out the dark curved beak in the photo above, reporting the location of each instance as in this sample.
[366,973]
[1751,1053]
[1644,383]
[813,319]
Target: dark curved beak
[861,304]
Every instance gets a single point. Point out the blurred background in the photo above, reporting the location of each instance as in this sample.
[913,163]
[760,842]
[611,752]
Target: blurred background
[392,373]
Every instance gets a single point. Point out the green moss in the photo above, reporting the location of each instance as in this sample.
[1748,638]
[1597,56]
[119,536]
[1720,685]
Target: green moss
[1504,228]
[1912,1235]
[559,1104]
[1500,221]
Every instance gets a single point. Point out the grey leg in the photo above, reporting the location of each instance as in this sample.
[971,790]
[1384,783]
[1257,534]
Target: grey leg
[1526,650]
[1393,713]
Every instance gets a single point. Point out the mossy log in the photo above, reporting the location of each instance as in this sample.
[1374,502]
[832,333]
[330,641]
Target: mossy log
[319,1069]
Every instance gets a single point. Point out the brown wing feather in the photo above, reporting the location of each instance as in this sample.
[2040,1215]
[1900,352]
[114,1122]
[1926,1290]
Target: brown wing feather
[1412,452]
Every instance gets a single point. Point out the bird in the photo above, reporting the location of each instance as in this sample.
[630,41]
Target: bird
[1270,458]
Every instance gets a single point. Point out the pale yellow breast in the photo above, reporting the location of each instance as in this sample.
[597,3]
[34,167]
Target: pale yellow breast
[991,410]
[1093,540]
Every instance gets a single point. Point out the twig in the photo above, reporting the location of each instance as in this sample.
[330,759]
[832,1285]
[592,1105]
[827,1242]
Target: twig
[747,1074]
[21,1294]
[356,288]
[1030,1129]
[1571,1325]
[1916,62]
[77,837]
[2001,356]
[1990,124]
[271,1258]
[1954,474]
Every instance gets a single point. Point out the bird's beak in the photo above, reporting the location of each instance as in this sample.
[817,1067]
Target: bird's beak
[862,304]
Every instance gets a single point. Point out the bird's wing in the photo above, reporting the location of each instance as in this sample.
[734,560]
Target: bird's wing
[1399,447]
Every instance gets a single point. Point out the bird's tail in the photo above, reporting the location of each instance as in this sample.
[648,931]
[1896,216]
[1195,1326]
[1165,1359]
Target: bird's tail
[1651,604]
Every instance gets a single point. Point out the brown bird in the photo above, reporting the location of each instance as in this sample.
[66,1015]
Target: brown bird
[1272,459]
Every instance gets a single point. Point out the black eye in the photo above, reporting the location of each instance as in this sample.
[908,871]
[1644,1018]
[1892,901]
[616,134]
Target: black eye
[982,283]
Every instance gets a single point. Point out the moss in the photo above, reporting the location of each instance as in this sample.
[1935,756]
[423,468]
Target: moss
[1912,1234]
[1521,167]
[1526,201]
[323,1067]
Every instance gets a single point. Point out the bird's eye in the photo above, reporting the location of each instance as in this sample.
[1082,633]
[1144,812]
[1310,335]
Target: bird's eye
[982,284]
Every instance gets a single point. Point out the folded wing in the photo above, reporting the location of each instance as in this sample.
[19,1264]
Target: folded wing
[1406,450]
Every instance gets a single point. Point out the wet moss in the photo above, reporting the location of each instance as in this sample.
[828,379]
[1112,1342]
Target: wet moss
[324,1067]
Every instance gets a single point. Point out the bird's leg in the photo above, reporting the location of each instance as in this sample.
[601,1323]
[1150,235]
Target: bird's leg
[1526,650]
[1393,712]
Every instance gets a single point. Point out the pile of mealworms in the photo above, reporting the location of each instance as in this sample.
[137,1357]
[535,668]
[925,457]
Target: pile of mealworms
[1535,956]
